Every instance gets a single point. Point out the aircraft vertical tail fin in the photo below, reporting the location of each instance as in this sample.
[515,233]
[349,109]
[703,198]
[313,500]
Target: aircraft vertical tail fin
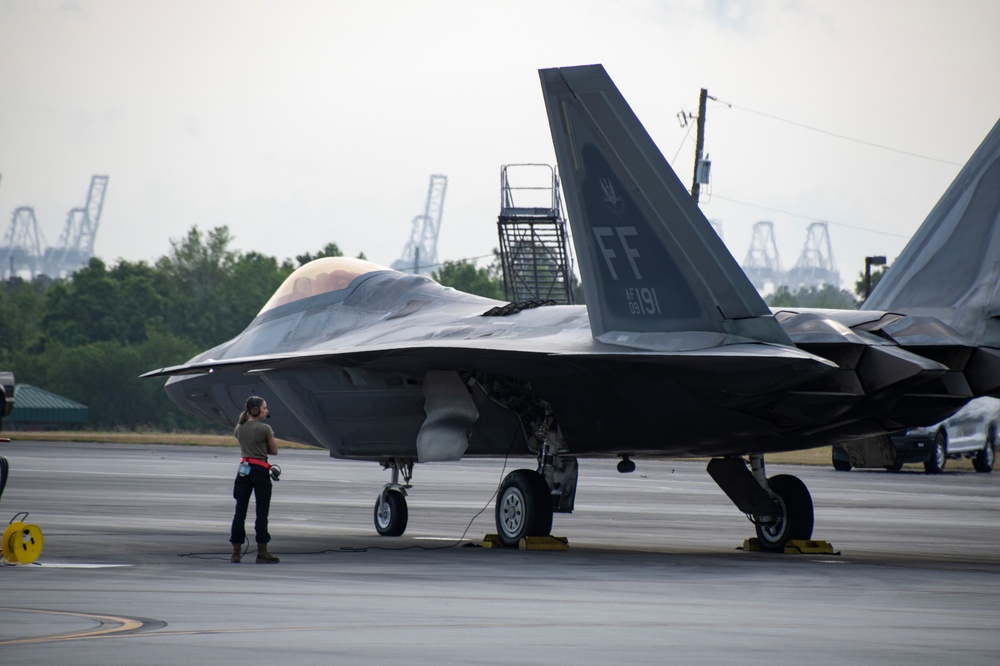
[950,269]
[649,259]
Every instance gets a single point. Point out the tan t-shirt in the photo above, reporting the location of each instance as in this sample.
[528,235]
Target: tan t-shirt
[253,437]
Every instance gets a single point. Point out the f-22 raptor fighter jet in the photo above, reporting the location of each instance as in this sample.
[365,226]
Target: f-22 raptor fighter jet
[675,353]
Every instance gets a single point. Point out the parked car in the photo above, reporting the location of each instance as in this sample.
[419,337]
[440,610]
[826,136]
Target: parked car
[969,433]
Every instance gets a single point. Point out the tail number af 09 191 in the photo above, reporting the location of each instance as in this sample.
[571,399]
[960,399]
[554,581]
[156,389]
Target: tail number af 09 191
[642,301]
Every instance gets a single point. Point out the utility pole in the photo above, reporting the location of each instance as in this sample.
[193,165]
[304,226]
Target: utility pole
[699,146]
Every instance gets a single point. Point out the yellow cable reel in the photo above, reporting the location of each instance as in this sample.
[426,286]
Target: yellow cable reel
[22,542]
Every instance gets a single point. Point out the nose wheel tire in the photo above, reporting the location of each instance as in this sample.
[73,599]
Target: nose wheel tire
[391,513]
[524,507]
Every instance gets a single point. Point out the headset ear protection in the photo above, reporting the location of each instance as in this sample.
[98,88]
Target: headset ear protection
[254,403]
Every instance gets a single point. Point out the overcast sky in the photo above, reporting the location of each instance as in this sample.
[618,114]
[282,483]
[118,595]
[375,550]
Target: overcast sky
[297,123]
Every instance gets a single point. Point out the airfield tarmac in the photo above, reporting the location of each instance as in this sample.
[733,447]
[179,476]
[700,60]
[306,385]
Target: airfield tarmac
[135,567]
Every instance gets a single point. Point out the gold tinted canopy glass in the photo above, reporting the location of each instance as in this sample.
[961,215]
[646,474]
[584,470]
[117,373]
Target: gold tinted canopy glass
[320,276]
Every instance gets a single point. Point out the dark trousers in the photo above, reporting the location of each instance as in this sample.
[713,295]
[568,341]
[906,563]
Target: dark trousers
[257,483]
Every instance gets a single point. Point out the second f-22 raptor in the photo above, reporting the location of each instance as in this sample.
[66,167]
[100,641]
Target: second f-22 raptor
[675,353]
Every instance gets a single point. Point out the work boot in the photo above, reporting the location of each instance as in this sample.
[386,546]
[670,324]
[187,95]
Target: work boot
[237,553]
[264,557]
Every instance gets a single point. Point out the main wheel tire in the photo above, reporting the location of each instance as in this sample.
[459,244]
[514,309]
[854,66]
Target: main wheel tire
[986,458]
[796,521]
[391,513]
[842,465]
[939,456]
[524,507]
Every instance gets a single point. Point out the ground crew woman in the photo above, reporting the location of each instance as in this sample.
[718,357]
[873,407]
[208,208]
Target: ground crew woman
[257,441]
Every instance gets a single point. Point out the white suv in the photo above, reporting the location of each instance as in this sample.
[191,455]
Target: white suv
[969,433]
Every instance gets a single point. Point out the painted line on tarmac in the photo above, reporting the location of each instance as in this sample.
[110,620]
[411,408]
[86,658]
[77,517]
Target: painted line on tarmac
[70,565]
[117,625]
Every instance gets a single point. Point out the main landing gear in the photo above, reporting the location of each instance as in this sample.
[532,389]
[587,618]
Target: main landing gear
[528,498]
[780,507]
[525,502]
[524,507]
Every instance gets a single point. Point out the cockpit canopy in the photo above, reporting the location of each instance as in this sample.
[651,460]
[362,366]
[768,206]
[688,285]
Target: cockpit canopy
[320,276]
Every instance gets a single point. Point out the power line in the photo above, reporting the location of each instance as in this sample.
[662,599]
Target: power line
[683,141]
[683,117]
[472,260]
[809,217]
[841,136]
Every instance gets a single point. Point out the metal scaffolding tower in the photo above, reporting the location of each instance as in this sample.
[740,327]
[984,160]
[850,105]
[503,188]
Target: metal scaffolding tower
[21,248]
[420,253]
[815,266]
[534,243]
[762,263]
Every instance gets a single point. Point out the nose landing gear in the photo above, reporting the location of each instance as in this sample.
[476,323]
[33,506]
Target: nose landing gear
[780,507]
[391,513]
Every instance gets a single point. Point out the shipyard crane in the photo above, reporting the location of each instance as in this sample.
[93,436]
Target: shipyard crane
[76,244]
[21,247]
[762,263]
[815,265]
[420,253]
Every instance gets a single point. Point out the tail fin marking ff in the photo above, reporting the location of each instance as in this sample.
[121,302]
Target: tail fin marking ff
[650,260]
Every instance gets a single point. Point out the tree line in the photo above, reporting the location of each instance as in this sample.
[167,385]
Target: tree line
[88,337]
